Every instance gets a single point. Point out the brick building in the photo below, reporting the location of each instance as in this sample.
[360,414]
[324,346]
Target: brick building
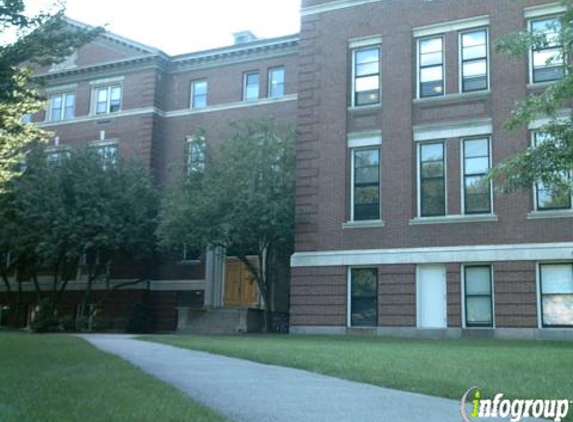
[400,114]
[400,106]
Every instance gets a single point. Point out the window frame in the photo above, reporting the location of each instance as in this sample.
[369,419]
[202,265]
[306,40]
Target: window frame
[349,296]
[531,53]
[107,161]
[270,81]
[354,51]
[461,61]
[536,206]
[419,178]
[353,182]
[541,316]
[491,296]
[193,103]
[193,141]
[463,175]
[64,96]
[419,67]
[245,85]
[109,88]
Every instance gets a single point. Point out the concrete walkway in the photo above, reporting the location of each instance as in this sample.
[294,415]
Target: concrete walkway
[253,392]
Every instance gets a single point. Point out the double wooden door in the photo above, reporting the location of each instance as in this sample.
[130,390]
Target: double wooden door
[241,288]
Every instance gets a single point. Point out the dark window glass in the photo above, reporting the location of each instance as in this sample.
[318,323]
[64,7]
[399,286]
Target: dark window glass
[364,297]
[548,63]
[556,294]
[477,188]
[432,180]
[367,77]
[196,158]
[478,291]
[366,184]
[474,60]
[431,67]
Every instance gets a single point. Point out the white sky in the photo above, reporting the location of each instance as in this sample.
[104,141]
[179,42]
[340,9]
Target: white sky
[183,26]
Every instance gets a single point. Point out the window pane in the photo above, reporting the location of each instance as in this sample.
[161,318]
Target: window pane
[364,297]
[200,88]
[544,58]
[366,175]
[557,278]
[431,74]
[367,97]
[366,157]
[433,198]
[367,56]
[252,86]
[430,45]
[472,53]
[367,69]
[70,106]
[477,38]
[558,310]
[474,68]
[115,93]
[366,195]
[102,95]
[433,169]
[476,165]
[478,311]
[431,59]
[277,83]
[478,280]
[476,148]
[369,83]
[432,152]
[552,197]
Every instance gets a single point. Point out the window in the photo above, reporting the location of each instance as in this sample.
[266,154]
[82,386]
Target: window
[196,157]
[477,188]
[478,296]
[366,72]
[432,180]
[108,154]
[363,297]
[108,99]
[547,62]
[550,197]
[431,67]
[276,82]
[199,94]
[57,156]
[251,86]
[61,107]
[556,282]
[366,184]
[474,60]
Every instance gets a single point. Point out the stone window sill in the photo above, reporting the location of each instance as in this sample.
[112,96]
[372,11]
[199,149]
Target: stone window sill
[363,224]
[454,219]
[538,215]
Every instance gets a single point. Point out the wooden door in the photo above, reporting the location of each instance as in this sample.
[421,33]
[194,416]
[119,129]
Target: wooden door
[240,286]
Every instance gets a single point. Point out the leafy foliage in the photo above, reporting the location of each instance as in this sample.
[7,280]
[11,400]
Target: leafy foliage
[243,202]
[548,161]
[40,40]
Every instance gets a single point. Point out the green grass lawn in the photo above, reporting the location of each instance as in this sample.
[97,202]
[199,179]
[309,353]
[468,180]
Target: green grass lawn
[59,378]
[446,368]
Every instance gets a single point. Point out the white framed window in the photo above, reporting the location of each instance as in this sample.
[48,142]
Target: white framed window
[61,107]
[107,99]
[108,153]
[199,91]
[556,294]
[477,189]
[474,60]
[432,179]
[251,86]
[55,156]
[365,189]
[362,297]
[366,76]
[276,82]
[431,75]
[478,296]
[196,155]
[547,63]
[550,197]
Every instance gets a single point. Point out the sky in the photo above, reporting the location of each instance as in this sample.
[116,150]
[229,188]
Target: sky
[183,26]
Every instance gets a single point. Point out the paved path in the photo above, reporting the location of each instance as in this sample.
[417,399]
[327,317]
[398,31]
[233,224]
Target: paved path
[251,392]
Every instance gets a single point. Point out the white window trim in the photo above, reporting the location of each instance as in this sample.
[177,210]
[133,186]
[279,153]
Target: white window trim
[463,295]
[543,10]
[460,60]
[270,81]
[418,70]
[466,128]
[379,219]
[245,76]
[419,216]
[549,213]
[64,96]
[353,73]
[451,26]
[530,21]
[364,139]
[462,176]
[192,98]
[369,41]
[93,105]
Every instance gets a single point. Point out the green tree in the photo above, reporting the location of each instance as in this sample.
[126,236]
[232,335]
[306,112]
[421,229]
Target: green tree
[75,212]
[243,202]
[39,40]
[547,162]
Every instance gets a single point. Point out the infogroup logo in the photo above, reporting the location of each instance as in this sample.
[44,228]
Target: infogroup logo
[514,410]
